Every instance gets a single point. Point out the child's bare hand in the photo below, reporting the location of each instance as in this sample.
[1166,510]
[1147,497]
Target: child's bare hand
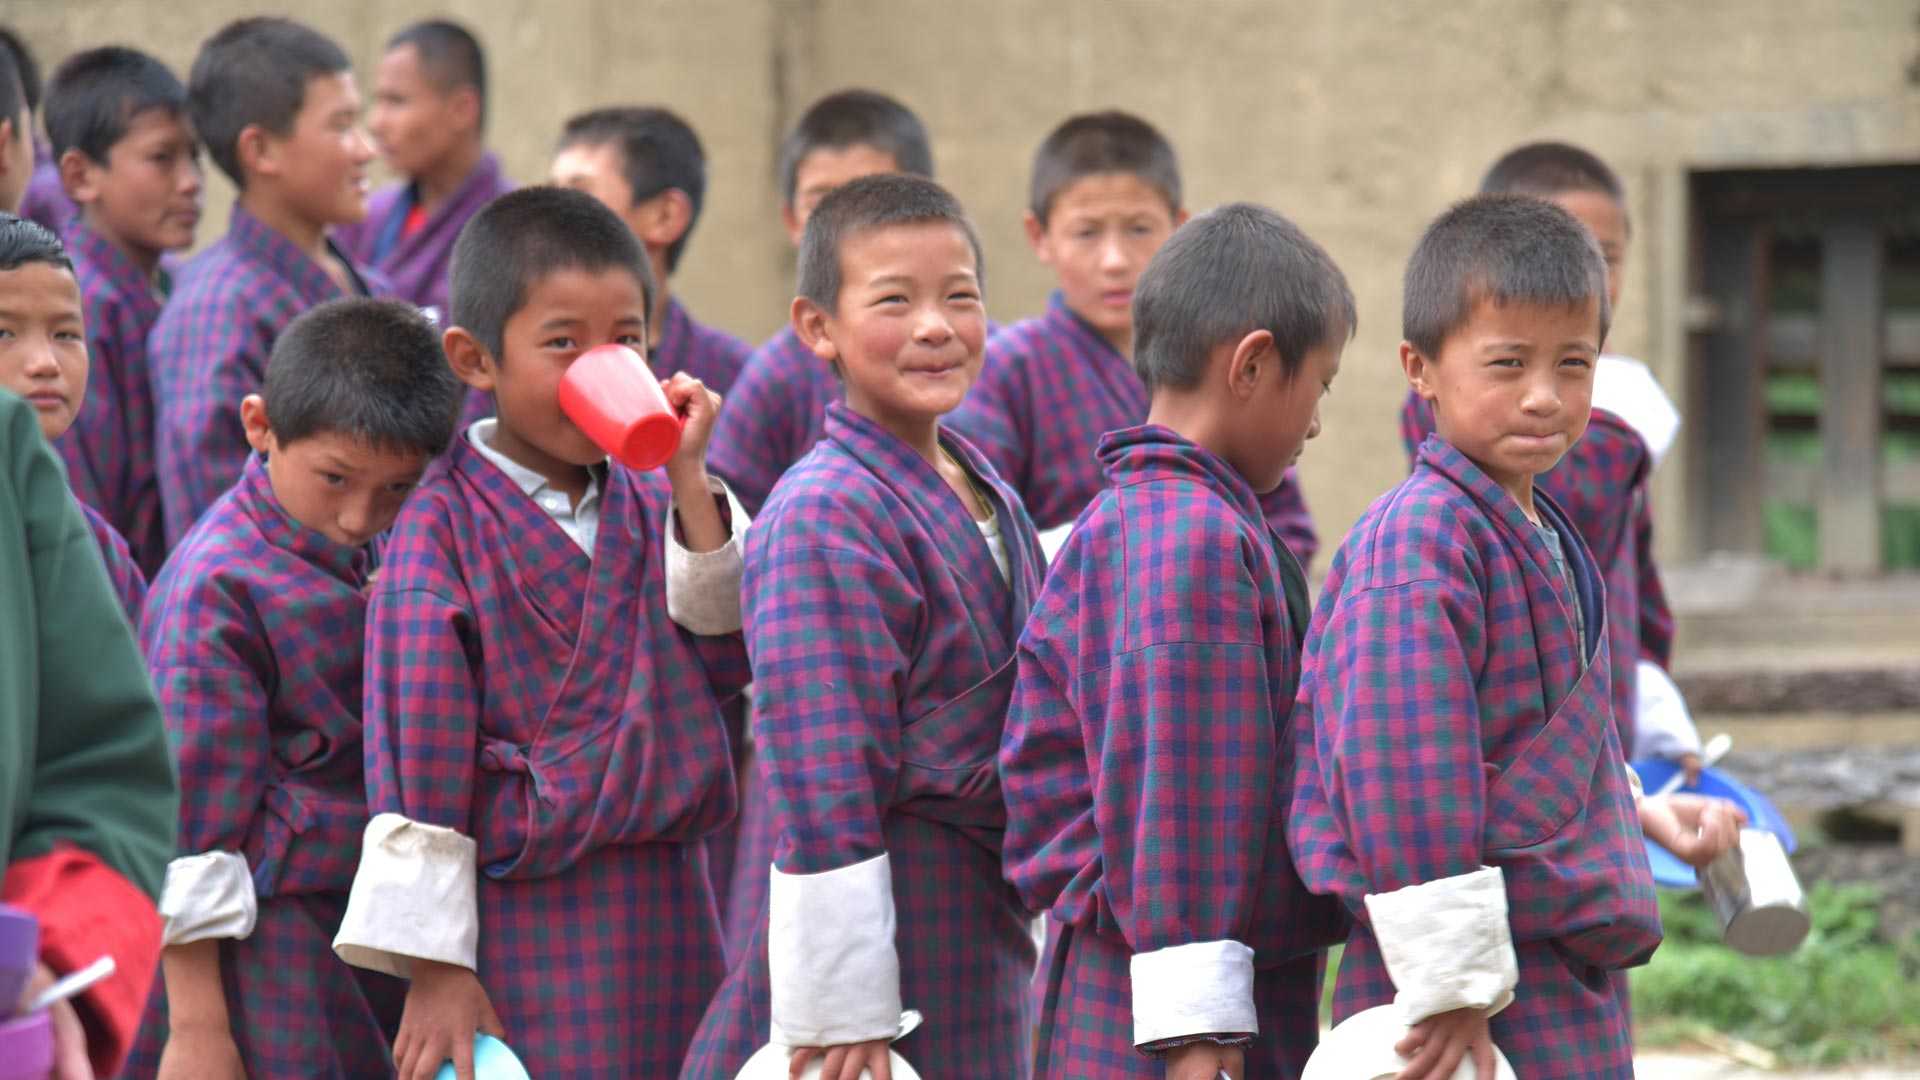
[1434,1047]
[1205,1061]
[845,1062]
[70,1061]
[697,407]
[198,1052]
[445,1006]
[1707,827]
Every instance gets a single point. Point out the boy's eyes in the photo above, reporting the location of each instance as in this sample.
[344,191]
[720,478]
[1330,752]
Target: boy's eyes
[631,341]
[334,479]
[561,342]
[1577,361]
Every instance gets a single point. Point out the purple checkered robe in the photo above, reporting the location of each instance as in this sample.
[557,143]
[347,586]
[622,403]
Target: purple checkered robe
[1050,388]
[254,637]
[45,199]
[129,584]
[109,449]
[1448,721]
[209,350]
[1601,483]
[775,414]
[715,357]
[546,706]
[1133,826]
[882,638]
[419,265]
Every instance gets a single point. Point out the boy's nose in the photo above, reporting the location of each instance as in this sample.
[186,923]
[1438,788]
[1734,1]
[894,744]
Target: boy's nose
[41,362]
[933,328]
[363,151]
[1313,429]
[1113,254]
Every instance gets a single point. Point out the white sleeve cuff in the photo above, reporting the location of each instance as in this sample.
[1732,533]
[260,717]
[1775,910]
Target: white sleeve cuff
[1447,945]
[1205,988]
[1626,388]
[703,587]
[834,974]
[1662,725]
[208,896]
[414,897]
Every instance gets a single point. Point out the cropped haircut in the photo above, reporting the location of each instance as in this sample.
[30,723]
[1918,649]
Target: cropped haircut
[25,68]
[525,235]
[254,72]
[24,241]
[658,152]
[1095,144]
[1225,274]
[1546,169]
[370,370]
[450,55]
[95,96]
[855,118]
[1510,249]
[882,201]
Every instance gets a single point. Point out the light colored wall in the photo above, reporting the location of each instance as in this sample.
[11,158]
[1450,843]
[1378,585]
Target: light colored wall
[1359,119]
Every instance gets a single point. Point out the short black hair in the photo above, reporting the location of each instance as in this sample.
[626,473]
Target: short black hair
[658,152]
[520,238]
[1225,274]
[25,67]
[450,55]
[874,202]
[855,118]
[370,370]
[96,94]
[1510,249]
[24,241]
[1093,144]
[1546,169]
[255,71]
[13,96]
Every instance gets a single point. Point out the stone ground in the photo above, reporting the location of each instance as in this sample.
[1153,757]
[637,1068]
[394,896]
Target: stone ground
[1667,1065]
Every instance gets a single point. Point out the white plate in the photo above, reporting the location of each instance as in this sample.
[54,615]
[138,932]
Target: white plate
[1361,1048]
[771,1064]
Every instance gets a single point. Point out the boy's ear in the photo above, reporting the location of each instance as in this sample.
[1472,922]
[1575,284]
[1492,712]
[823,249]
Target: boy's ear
[1419,370]
[810,322]
[465,103]
[76,176]
[1255,357]
[253,417]
[470,360]
[795,227]
[1036,233]
[253,149]
[1180,217]
[661,221]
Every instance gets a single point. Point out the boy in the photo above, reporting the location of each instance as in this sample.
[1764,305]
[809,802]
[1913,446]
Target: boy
[276,105]
[429,121]
[1181,943]
[1460,783]
[647,166]
[254,637]
[87,794]
[43,358]
[544,746]
[1105,195]
[778,408]
[1602,482]
[42,200]
[128,156]
[885,587]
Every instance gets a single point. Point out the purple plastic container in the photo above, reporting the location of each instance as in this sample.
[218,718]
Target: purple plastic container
[19,950]
[26,1047]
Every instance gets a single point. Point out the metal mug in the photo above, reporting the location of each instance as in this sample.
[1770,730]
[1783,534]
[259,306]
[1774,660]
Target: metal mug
[1753,890]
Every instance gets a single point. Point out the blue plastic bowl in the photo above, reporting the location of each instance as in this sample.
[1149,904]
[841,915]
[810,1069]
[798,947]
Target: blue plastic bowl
[491,1061]
[1668,871]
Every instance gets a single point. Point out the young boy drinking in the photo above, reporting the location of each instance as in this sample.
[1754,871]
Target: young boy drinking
[255,636]
[1157,676]
[1105,195]
[548,644]
[886,583]
[276,105]
[129,159]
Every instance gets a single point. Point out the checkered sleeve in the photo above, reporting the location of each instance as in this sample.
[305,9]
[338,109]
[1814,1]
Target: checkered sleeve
[202,446]
[992,417]
[1286,510]
[756,435]
[1656,618]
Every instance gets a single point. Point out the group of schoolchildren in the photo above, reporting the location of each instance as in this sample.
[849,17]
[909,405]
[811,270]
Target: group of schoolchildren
[458,704]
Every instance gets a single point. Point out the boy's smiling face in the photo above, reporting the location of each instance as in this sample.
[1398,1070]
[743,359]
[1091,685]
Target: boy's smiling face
[1512,386]
[910,324]
[1100,233]
[146,196]
[321,163]
[43,343]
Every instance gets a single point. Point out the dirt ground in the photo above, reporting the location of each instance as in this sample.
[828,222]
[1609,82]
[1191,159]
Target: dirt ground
[1666,1065]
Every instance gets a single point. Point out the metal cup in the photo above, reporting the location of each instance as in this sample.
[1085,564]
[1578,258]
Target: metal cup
[1754,892]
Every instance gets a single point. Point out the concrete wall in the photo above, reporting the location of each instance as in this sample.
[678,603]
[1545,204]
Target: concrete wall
[1360,120]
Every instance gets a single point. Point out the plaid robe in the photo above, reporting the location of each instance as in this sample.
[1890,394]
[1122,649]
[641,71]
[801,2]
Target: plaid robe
[209,350]
[1602,485]
[715,357]
[1050,388]
[109,449]
[254,638]
[1447,721]
[546,706]
[129,584]
[1133,826]
[419,265]
[775,414]
[882,639]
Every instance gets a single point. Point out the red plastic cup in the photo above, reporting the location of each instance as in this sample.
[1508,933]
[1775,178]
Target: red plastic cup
[612,396]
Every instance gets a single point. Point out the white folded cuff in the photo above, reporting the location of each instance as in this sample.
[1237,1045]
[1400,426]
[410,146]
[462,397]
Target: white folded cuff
[1205,988]
[208,896]
[703,587]
[834,974]
[414,898]
[1447,945]
[1627,388]
[1662,725]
